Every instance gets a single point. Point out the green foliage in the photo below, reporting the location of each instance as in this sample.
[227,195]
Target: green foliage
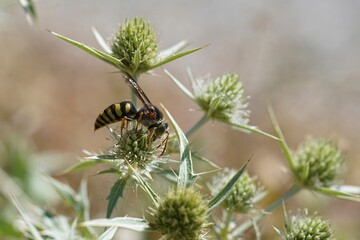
[116,192]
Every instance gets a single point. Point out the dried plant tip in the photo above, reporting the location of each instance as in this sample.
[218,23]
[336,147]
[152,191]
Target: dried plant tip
[135,45]
[181,215]
[223,99]
[317,163]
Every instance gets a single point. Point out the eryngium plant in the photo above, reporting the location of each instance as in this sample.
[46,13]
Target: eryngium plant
[135,45]
[134,48]
[242,197]
[181,214]
[222,98]
[317,163]
[302,226]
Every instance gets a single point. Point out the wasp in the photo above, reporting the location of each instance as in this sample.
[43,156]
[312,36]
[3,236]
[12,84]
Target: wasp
[148,115]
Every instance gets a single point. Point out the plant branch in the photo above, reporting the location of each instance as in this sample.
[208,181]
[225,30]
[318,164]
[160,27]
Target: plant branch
[249,223]
[200,123]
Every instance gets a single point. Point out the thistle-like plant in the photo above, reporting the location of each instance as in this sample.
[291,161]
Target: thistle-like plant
[185,211]
[304,226]
[244,194]
[181,214]
[133,49]
[223,99]
[318,163]
[240,201]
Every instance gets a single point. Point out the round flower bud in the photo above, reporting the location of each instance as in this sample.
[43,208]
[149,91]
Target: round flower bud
[317,163]
[309,228]
[241,198]
[181,214]
[135,45]
[223,99]
[134,147]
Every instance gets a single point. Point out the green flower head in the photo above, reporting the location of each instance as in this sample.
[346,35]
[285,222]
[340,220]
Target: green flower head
[181,214]
[135,149]
[135,45]
[307,227]
[223,99]
[317,163]
[242,197]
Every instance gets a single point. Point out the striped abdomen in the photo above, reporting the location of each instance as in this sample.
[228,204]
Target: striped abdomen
[116,112]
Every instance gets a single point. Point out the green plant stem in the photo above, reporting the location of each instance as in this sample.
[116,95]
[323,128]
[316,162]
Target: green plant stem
[194,128]
[133,94]
[224,233]
[249,223]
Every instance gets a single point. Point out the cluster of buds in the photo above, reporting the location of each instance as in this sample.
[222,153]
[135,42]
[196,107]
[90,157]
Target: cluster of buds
[242,197]
[135,45]
[317,163]
[303,226]
[222,99]
[181,214]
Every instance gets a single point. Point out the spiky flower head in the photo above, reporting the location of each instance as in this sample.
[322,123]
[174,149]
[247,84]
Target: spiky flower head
[181,214]
[242,197]
[134,147]
[223,98]
[135,45]
[303,226]
[317,163]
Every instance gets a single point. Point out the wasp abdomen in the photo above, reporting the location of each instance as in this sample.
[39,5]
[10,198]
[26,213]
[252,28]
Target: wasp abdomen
[115,113]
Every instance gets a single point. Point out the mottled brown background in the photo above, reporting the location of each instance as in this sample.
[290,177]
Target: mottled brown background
[303,57]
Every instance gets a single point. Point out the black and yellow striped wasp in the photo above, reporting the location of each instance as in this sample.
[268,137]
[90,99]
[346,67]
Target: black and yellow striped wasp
[148,115]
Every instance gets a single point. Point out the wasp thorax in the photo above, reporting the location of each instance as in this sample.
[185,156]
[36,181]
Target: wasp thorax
[149,116]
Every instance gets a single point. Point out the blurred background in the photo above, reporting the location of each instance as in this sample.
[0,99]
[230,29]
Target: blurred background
[301,57]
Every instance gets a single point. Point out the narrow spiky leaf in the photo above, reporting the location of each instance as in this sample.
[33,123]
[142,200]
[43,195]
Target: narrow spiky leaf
[339,193]
[253,129]
[85,164]
[172,50]
[96,53]
[186,174]
[144,185]
[226,190]
[108,234]
[101,41]
[115,193]
[282,235]
[34,232]
[66,192]
[136,224]
[174,57]
[29,9]
[284,146]
[180,85]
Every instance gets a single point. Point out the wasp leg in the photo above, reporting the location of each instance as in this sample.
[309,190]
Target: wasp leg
[150,136]
[122,124]
[138,122]
[165,143]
